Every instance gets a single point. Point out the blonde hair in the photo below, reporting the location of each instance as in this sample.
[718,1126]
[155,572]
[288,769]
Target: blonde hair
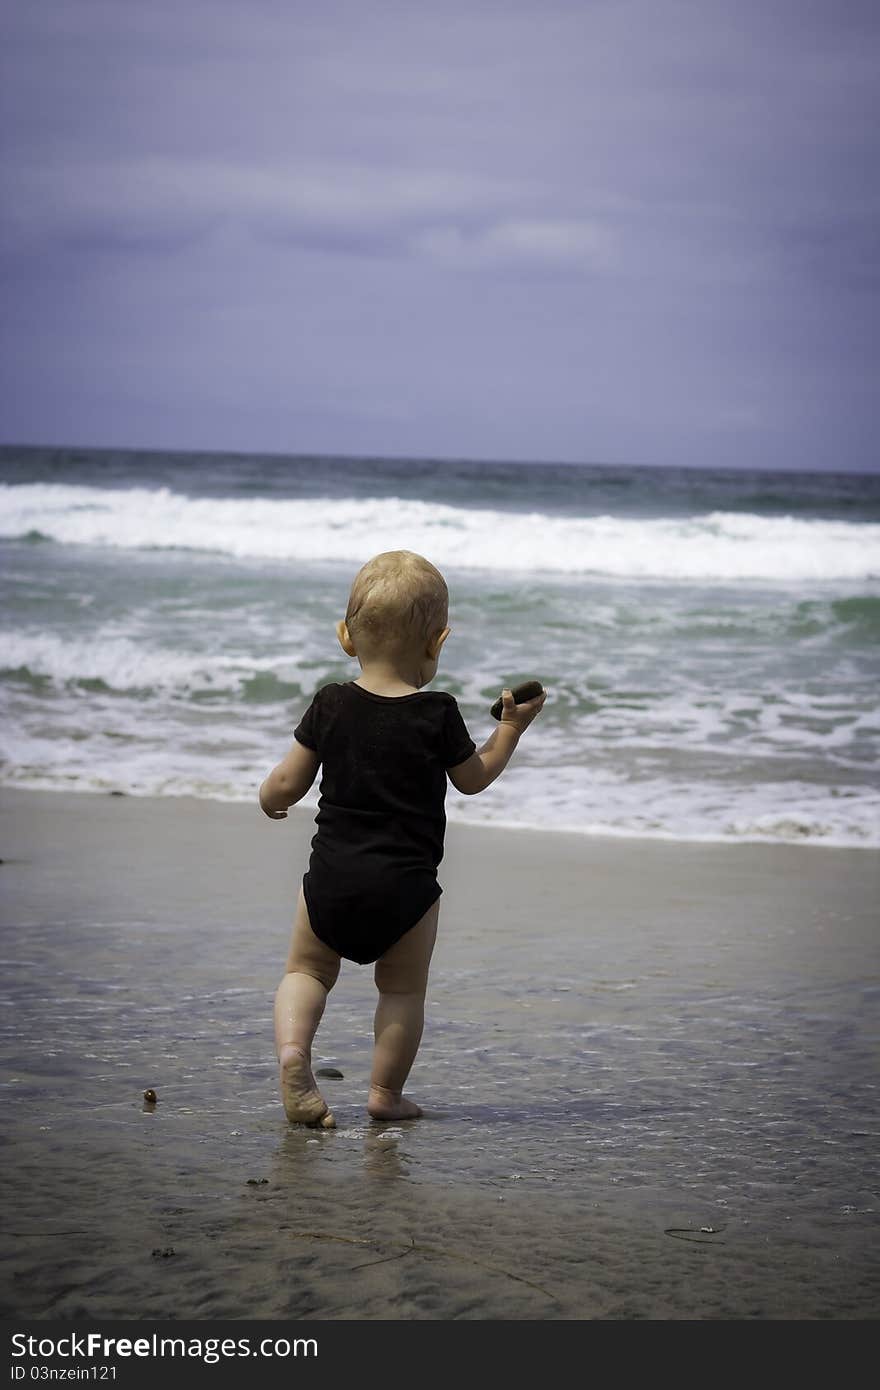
[398,598]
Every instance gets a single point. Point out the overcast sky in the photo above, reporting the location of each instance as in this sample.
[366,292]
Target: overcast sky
[603,230]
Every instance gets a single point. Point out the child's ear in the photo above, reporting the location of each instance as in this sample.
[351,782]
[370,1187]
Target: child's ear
[436,642]
[345,641]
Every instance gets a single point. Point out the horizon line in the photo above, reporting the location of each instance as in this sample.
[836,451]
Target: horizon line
[374,457]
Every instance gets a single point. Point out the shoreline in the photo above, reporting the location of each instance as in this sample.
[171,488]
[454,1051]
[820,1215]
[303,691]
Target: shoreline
[626,1042]
[468,823]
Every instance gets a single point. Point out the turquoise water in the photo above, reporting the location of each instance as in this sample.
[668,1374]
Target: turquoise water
[709,638]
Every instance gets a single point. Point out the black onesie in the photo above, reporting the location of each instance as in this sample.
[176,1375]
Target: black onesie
[381,815]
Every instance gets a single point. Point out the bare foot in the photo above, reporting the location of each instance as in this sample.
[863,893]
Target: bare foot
[303,1102]
[383,1104]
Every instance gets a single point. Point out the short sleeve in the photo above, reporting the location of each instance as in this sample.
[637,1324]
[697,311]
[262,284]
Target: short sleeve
[457,742]
[306,731]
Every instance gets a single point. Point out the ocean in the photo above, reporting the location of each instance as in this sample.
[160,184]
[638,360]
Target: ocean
[708,638]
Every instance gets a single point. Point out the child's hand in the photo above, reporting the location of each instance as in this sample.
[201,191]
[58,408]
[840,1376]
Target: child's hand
[520,716]
[479,771]
[289,781]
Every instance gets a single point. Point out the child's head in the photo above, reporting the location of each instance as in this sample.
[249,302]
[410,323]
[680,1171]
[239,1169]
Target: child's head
[398,605]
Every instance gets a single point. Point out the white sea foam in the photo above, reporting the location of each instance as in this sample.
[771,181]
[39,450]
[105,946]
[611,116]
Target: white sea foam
[576,800]
[660,783]
[717,546]
[558,800]
[117,661]
[124,663]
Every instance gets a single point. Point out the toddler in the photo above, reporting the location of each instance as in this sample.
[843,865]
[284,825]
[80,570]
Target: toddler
[386,747]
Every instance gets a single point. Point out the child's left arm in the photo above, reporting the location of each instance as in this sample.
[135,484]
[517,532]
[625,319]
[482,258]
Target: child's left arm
[289,781]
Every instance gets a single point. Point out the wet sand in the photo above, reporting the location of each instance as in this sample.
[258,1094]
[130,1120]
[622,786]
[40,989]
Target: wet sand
[649,1075]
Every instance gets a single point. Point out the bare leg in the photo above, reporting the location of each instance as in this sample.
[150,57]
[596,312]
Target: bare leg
[312,969]
[401,979]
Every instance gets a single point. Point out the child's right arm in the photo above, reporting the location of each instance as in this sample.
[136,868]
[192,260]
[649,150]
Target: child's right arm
[289,781]
[482,767]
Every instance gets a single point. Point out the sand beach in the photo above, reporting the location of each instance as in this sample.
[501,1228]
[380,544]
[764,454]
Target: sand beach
[649,1077]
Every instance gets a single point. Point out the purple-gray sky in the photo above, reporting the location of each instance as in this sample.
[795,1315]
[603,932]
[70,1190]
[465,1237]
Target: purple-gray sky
[603,230]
